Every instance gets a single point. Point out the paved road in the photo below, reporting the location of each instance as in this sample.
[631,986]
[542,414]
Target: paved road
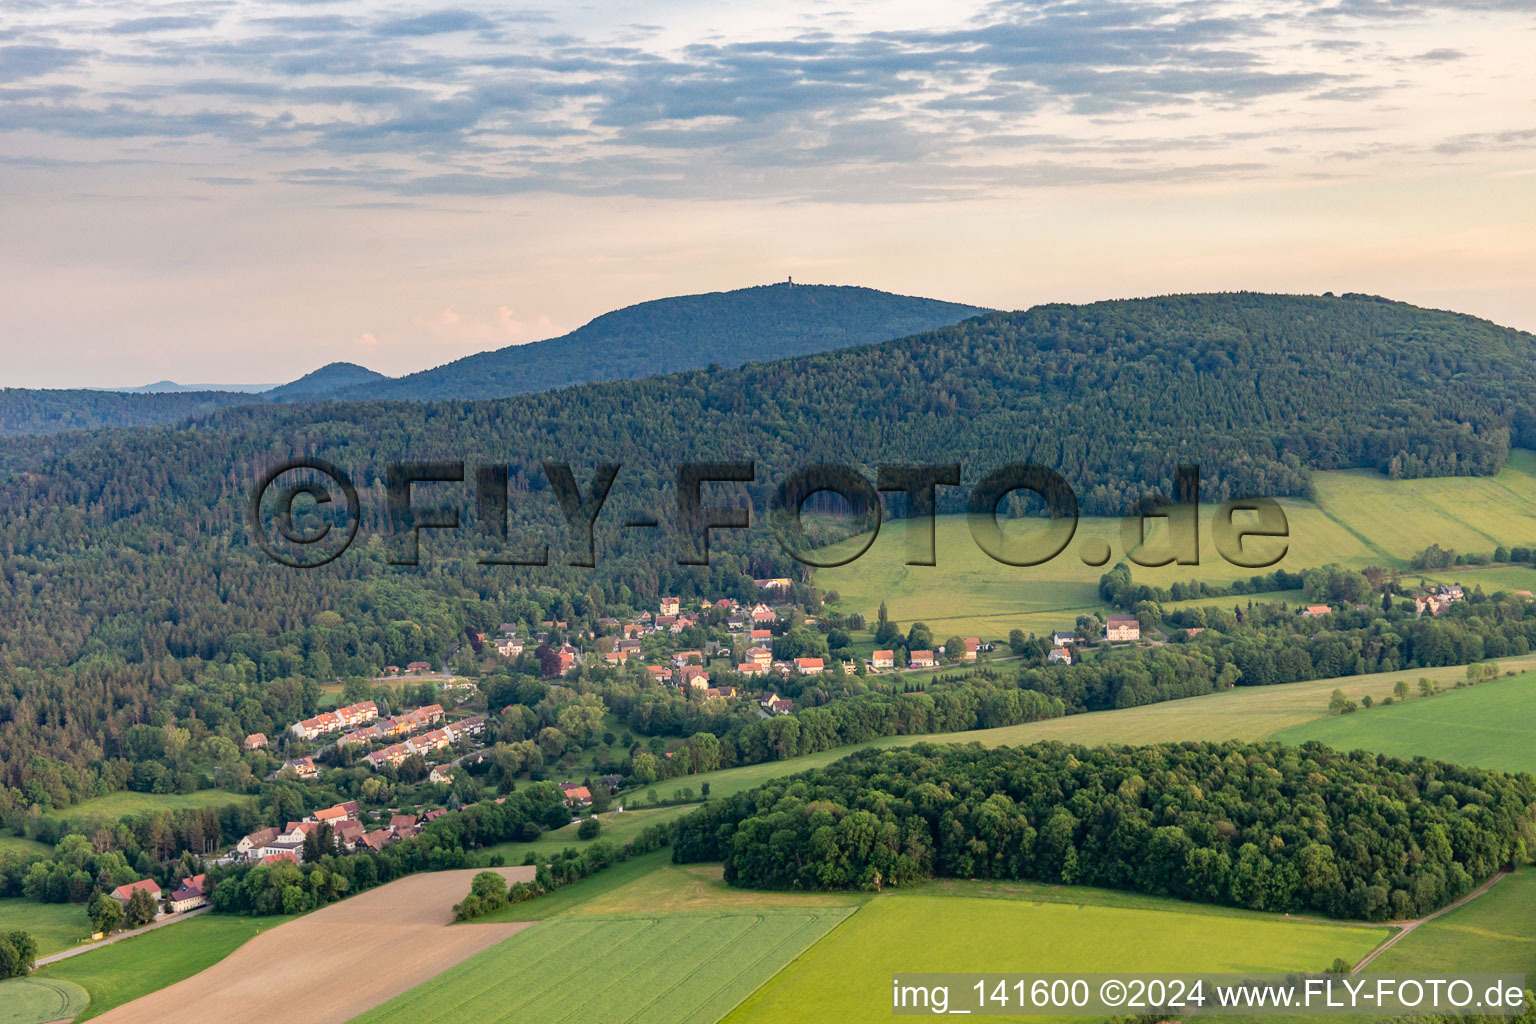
[1408,926]
[120,936]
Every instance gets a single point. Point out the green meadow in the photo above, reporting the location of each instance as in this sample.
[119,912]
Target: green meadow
[619,827]
[847,976]
[125,802]
[12,845]
[39,1001]
[1488,725]
[1495,932]
[1244,713]
[55,926]
[146,963]
[668,968]
[1360,518]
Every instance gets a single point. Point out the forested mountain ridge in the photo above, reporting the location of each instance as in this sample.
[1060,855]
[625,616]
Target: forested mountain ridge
[682,332]
[129,572]
[329,377]
[26,411]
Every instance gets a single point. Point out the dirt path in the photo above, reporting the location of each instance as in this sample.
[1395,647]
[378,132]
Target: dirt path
[1405,927]
[329,966]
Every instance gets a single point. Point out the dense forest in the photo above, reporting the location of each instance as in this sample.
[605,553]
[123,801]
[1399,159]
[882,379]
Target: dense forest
[26,411]
[131,592]
[683,332]
[1255,825]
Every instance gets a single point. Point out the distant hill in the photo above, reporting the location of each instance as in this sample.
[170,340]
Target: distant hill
[685,332]
[169,387]
[25,411]
[330,377]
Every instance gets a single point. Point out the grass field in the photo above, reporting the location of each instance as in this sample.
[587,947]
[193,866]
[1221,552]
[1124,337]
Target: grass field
[1360,518]
[847,976]
[1488,725]
[667,968]
[620,828]
[1495,932]
[116,805]
[55,926]
[146,963]
[1245,713]
[36,1001]
[12,845]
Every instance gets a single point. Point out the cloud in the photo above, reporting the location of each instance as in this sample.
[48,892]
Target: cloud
[434,23]
[23,61]
[455,101]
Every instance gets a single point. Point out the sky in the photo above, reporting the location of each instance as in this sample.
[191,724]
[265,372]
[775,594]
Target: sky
[221,192]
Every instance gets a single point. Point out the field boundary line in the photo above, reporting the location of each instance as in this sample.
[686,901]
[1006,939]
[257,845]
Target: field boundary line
[1407,927]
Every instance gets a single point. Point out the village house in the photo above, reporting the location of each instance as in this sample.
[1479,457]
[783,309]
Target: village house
[509,647]
[303,767]
[682,658]
[776,585]
[751,668]
[250,844]
[781,706]
[124,893]
[1060,639]
[442,774]
[921,659]
[189,895]
[972,645]
[668,605]
[255,741]
[1314,610]
[615,657]
[284,855]
[762,613]
[659,673]
[278,847]
[882,659]
[576,795]
[694,676]
[809,666]
[403,825]
[760,656]
[720,692]
[1122,628]
[1059,656]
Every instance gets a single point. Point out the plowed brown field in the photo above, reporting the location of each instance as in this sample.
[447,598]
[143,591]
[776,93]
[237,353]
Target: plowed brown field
[329,966]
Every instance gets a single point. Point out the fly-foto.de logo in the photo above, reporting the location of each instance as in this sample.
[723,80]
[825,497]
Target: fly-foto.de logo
[305,512]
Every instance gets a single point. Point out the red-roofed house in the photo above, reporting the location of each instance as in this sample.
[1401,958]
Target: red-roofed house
[922,659]
[275,858]
[809,666]
[255,741]
[883,659]
[1313,610]
[124,893]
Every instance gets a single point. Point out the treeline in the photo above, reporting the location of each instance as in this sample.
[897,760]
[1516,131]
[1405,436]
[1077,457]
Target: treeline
[1256,825]
[1117,589]
[1264,644]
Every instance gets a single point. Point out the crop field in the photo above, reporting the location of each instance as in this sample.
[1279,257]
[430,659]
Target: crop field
[1488,725]
[1470,514]
[383,941]
[1495,932]
[673,968]
[36,1001]
[1244,713]
[847,976]
[134,967]
[1361,518]
[55,926]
